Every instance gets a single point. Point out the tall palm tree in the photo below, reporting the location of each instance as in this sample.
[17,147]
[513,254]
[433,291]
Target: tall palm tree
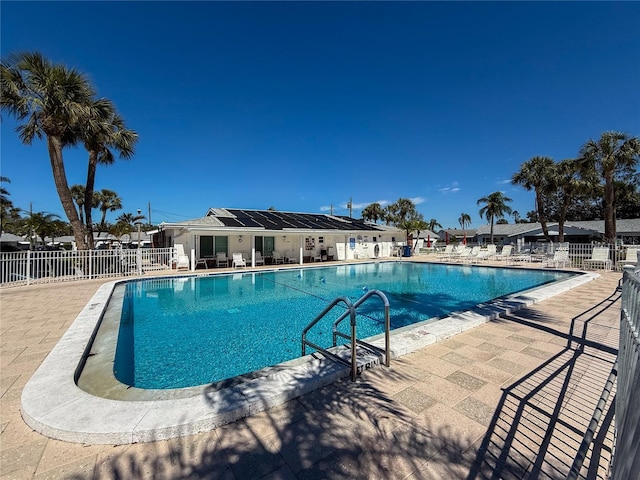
[495,206]
[464,220]
[613,154]
[537,174]
[105,133]
[53,101]
[373,212]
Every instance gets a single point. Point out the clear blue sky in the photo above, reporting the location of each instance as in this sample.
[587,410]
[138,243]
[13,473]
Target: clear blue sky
[300,106]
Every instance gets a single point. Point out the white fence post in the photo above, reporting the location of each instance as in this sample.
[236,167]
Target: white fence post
[28,272]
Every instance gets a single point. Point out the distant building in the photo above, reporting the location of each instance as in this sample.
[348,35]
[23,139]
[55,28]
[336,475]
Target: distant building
[627,232]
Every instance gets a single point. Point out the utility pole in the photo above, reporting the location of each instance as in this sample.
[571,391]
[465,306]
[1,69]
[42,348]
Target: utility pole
[350,206]
[149,213]
[331,210]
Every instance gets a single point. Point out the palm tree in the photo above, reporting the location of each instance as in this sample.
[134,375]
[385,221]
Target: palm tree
[373,212]
[569,184]
[464,220]
[433,225]
[537,174]
[613,154]
[105,133]
[516,216]
[42,224]
[109,201]
[77,193]
[5,204]
[53,100]
[495,207]
[403,214]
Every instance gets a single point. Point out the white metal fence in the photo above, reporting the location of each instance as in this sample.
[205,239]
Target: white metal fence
[578,253]
[28,267]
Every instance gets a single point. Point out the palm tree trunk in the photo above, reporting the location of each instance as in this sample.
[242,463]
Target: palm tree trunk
[492,229]
[609,210]
[88,194]
[54,145]
[542,217]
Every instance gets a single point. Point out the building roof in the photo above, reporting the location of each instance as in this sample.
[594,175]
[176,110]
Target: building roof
[623,226]
[269,220]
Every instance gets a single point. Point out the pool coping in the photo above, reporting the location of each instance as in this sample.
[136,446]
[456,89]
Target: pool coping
[53,405]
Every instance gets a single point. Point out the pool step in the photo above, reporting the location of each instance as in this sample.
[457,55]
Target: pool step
[367,356]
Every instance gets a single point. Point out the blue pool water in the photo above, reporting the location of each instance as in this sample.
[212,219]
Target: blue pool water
[187,331]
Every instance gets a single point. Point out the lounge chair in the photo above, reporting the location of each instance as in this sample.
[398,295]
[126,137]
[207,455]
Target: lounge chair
[473,256]
[631,257]
[599,257]
[222,260]
[461,254]
[485,253]
[505,253]
[238,261]
[560,258]
[259,260]
[446,253]
[181,259]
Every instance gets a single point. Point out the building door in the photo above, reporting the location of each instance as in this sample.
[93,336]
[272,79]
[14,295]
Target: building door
[206,246]
[222,245]
[267,244]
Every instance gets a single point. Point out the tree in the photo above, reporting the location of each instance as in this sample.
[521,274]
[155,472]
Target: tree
[6,205]
[106,132]
[43,224]
[53,100]
[433,225]
[108,201]
[516,216]
[537,174]
[464,220]
[373,212]
[613,155]
[77,193]
[569,184]
[495,206]
[403,214]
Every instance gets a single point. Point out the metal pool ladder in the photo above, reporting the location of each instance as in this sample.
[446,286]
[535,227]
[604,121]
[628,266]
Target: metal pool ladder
[351,314]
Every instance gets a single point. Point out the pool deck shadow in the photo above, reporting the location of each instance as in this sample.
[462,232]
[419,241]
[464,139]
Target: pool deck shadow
[438,412]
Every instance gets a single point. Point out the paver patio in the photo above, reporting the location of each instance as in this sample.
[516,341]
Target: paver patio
[510,398]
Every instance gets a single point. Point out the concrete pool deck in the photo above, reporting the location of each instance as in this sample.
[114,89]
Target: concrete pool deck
[431,415]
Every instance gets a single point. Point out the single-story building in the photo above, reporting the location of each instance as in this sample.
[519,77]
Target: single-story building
[457,235]
[301,237]
[627,232]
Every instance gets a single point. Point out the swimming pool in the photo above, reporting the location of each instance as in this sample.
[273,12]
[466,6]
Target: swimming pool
[187,331]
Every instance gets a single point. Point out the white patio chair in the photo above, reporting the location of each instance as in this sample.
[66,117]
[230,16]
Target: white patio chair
[599,258]
[259,260]
[560,258]
[238,261]
[222,260]
[181,259]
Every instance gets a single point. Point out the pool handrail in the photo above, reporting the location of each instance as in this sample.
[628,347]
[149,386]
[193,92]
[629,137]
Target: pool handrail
[387,323]
[352,313]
